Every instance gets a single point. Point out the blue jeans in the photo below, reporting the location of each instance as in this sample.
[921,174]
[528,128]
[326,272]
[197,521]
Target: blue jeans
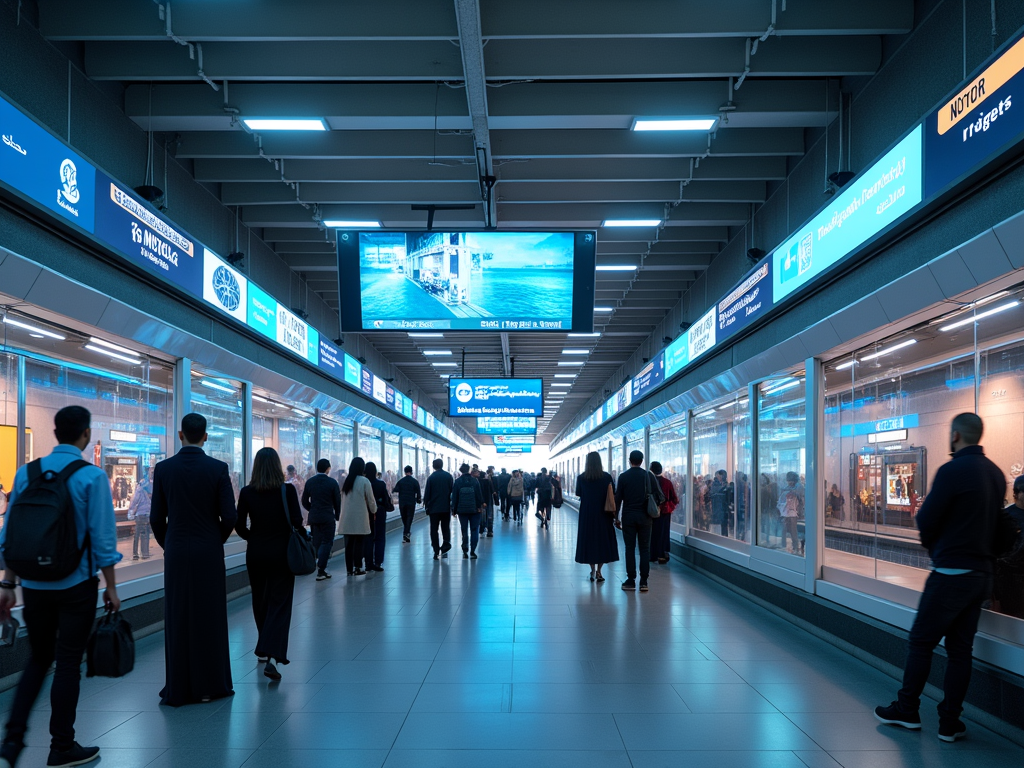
[472,522]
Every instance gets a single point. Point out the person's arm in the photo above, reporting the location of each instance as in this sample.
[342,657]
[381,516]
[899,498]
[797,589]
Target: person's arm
[242,520]
[427,496]
[419,498]
[102,526]
[933,511]
[337,501]
[479,494]
[619,496]
[451,499]
[158,509]
[294,513]
[226,502]
[307,497]
[371,502]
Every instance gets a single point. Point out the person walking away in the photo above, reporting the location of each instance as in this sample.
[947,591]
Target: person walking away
[408,489]
[721,503]
[321,498]
[596,543]
[835,504]
[501,486]
[960,523]
[544,491]
[193,514]
[373,545]
[634,485]
[661,526]
[791,506]
[1008,593]
[357,509]
[268,510]
[467,503]
[437,500]
[58,612]
[487,518]
[516,491]
[139,511]
[293,478]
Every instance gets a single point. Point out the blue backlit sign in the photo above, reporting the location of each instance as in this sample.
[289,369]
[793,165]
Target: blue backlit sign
[745,303]
[506,425]
[909,421]
[262,316]
[331,361]
[514,439]
[495,397]
[513,448]
[650,377]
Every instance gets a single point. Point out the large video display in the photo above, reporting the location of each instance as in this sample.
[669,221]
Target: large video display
[495,397]
[469,281]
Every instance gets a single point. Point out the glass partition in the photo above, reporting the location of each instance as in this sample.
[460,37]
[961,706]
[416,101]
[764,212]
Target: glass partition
[617,465]
[336,444]
[782,463]
[392,471]
[668,445]
[370,445]
[721,468]
[220,401]
[290,431]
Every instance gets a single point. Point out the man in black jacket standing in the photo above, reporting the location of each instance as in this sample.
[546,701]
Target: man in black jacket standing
[501,486]
[408,489]
[631,496]
[958,522]
[544,491]
[321,497]
[437,500]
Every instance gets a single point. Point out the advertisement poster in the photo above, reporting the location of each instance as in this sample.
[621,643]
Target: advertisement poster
[225,287]
[367,382]
[331,361]
[746,302]
[650,377]
[506,425]
[291,331]
[380,390]
[353,372]
[389,397]
[899,484]
[262,315]
[495,397]
[701,335]
[513,439]
[677,355]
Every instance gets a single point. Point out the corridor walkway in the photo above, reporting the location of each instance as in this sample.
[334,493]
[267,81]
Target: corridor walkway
[516,660]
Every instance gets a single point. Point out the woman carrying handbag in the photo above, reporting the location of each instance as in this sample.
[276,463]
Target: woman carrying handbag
[596,543]
[266,522]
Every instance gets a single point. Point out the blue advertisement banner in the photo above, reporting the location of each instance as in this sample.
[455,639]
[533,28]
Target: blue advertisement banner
[262,314]
[495,397]
[649,377]
[367,382]
[908,421]
[749,300]
[677,356]
[389,397]
[407,406]
[331,361]
[514,448]
[514,439]
[506,425]
[353,372]
[42,168]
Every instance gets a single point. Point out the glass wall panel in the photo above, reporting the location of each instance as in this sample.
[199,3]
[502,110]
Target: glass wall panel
[369,445]
[220,401]
[290,431]
[617,460]
[8,426]
[721,468]
[391,469]
[635,442]
[668,445]
[336,446]
[782,463]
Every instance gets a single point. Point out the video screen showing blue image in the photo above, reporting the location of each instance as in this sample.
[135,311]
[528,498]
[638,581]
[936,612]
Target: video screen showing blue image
[481,281]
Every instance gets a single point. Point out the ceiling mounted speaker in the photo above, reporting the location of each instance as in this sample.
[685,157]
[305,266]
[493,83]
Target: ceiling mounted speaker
[841,178]
[149,193]
[754,255]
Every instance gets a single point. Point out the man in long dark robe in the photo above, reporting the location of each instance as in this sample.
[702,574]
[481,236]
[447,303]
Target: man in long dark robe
[193,513]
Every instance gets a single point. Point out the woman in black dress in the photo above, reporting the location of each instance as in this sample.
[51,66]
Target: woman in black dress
[261,504]
[373,545]
[595,539]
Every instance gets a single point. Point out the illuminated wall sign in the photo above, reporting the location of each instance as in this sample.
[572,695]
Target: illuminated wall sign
[514,448]
[41,167]
[748,301]
[677,356]
[379,389]
[262,314]
[983,118]
[353,372]
[495,397]
[389,397]
[882,194]
[123,437]
[225,287]
[650,377]
[701,335]
[513,439]
[506,425]
[908,421]
[897,435]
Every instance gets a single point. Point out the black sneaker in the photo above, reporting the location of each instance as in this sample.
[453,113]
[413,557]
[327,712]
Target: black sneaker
[465,555]
[444,555]
[406,540]
[629,584]
[472,556]
[9,752]
[490,535]
[323,575]
[445,548]
[952,731]
[643,586]
[76,755]
[892,715]
[437,555]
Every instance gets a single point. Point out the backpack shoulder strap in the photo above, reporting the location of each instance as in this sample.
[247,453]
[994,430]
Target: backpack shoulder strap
[35,470]
[71,468]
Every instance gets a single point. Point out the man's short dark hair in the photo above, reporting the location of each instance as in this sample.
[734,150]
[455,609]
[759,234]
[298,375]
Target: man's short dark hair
[291,468]
[1018,484]
[543,470]
[656,467]
[464,469]
[323,465]
[438,463]
[408,470]
[70,423]
[970,427]
[636,458]
[792,477]
[193,426]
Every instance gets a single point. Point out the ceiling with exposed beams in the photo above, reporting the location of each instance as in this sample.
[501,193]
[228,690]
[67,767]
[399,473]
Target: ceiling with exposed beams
[425,97]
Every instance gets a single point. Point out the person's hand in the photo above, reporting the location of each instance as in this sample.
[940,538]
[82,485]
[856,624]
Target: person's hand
[8,599]
[110,599]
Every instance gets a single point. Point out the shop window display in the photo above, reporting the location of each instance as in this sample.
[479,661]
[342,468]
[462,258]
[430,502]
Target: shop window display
[782,464]
[290,431]
[668,445]
[721,468]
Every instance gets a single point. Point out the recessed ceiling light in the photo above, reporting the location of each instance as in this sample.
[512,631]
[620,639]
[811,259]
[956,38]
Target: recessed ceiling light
[565,375]
[582,335]
[218,387]
[445,365]
[561,384]
[571,362]
[426,335]
[675,124]
[616,267]
[969,320]
[631,223]
[41,331]
[437,352]
[604,309]
[285,123]
[893,348]
[344,224]
[575,351]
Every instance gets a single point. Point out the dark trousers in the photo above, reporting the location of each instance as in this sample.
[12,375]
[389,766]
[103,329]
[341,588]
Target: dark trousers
[444,522]
[273,585]
[353,552]
[544,504]
[141,540]
[408,511]
[503,498]
[323,542]
[59,622]
[516,504]
[487,520]
[373,545]
[634,533]
[660,542]
[950,607]
[470,525]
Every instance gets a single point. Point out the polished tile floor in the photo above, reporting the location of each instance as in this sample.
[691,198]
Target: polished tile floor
[517,660]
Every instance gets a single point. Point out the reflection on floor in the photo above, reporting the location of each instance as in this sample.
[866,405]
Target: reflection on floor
[516,660]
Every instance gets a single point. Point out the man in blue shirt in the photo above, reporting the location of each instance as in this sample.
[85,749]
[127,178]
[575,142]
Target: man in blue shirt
[59,614]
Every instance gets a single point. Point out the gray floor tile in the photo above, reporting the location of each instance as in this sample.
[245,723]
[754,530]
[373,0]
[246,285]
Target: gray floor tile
[702,732]
[711,698]
[464,697]
[316,758]
[348,730]
[723,759]
[378,697]
[198,758]
[514,731]
[583,698]
[512,758]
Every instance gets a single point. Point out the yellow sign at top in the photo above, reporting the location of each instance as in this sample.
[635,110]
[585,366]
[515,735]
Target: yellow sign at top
[981,87]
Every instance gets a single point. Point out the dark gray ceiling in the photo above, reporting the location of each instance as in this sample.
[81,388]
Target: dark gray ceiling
[425,96]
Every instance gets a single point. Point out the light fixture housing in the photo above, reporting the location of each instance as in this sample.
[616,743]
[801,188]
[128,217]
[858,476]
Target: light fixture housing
[445,365]
[631,223]
[8,320]
[604,309]
[285,123]
[565,375]
[893,348]
[350,224]
[674,124]
[426,335]
[113,354]
[584,335]
[571,362]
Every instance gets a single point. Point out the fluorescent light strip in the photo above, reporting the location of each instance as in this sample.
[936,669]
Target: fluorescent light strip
[445,365]
[426,335]
[285,123]
[989,313]
[604,309]
[34,329]
[675,124]
[893,348]
[111,353]
[560,384]
[114,347]
[218,387]
[346,224]
[575,351]
[616,267]
[583,335]
[570,362]
[847,364]
[631,222]
[782,388]
[261,399]
[437,352]
[565,375]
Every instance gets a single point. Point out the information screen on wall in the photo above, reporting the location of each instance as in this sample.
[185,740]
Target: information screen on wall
[495,397]
[481,281]
[506,425]
[513,439]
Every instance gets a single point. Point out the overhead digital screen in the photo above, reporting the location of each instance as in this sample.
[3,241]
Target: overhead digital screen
[513,439]
[514,448]
[468,281]
[506,425]
[495,397]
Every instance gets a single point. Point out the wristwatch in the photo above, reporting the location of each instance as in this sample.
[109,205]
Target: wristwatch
[7,585]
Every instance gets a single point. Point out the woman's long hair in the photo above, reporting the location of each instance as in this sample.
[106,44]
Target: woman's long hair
[267,474]
[593,470]
[371,470]
[355,469]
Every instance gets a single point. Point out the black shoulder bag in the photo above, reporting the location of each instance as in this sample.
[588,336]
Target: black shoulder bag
[301,555]
[653,510]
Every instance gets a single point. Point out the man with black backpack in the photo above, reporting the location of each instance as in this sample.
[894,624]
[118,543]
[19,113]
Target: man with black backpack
[467,503]
[59,532]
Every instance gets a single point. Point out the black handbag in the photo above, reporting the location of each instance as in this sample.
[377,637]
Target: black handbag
[111,648]
[653,510]
[301,555]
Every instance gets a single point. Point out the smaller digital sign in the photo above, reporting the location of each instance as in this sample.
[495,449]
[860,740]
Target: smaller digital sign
[650,377]
[495,397]
[514,448]
[745,303]
[513,439]
[506,425]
